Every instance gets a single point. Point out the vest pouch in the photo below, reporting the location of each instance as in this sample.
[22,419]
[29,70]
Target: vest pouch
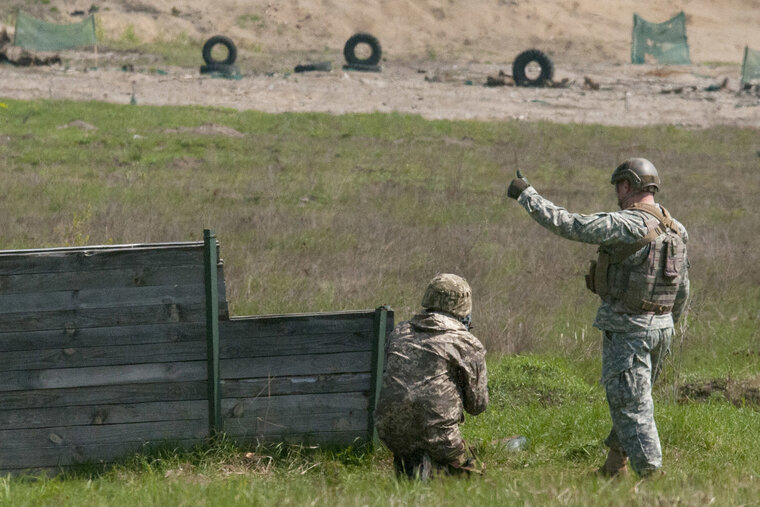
[674,257]
[590,277]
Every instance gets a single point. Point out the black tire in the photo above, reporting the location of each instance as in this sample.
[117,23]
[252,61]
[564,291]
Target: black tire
[349,50]
[224,41]
[522,61]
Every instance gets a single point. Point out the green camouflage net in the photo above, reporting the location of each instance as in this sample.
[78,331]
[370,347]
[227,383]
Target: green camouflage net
[750,66]
[663,42]
[38,35]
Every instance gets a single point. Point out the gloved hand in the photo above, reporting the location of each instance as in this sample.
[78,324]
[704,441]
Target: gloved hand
[517,185]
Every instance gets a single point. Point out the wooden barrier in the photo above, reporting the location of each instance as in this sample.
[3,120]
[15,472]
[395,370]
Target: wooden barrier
[108,349]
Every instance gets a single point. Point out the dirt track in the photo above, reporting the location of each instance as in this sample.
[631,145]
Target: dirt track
[627,95]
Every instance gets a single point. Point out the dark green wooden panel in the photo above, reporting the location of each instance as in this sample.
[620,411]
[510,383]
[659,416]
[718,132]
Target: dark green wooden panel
[102,375]
[309,364]
[90,259]
[102,414]
[235,344]
[104,394]
[300,324]
[79,357]
[173,332]
[312,384]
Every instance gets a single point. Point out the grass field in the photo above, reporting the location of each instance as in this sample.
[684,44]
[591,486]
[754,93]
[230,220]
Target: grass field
[317,212]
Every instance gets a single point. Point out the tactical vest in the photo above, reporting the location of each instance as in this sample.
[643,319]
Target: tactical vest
[634,280]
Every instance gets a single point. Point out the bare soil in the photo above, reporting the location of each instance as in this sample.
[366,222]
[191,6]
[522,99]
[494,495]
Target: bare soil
[437,55]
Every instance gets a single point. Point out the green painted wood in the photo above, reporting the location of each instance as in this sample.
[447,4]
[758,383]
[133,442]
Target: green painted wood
[383,324]
[77,444]
[102,375]
[53,417]
[173,332]
[93,259]
[298,424]
[104,394]
[140,276]
[212,331]
[311,384]
[310,323]
[308,364]
[253,346]
[325,439]
[100,298]
[80,357]
[72,320]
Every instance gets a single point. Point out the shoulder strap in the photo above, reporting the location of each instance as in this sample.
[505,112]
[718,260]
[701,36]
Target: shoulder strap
[663,217]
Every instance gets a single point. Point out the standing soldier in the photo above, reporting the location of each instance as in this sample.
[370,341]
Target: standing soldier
[641,275]
[434,369]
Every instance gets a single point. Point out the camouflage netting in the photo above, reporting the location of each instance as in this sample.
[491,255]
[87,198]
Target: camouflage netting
[751,66]
[663,42]
[38,35]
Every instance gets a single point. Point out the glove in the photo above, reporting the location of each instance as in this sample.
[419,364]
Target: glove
[517,185]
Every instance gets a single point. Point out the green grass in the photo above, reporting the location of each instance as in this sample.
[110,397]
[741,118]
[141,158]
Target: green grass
[317,212]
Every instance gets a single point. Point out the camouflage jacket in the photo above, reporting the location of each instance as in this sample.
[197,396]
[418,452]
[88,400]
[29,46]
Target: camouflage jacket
[434,369]
[626,226]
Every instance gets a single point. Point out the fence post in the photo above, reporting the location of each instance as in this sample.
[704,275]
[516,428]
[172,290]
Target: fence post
[380,329]
[212,331]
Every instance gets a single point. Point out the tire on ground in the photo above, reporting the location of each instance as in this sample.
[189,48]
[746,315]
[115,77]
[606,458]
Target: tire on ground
[224,41]
[349,50]
[522,61]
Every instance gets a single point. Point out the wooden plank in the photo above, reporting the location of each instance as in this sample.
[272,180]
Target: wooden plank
[102,375]
[254,346]
[92,259]
[76,357]
[286,406]
[72,320]
[325,439]
[100,298]
[140,276]
[309,364]
[79,444]
[102,414]
[40,438]
[299,324]
[174,332]
[108,394]
[297,424]
[340,383]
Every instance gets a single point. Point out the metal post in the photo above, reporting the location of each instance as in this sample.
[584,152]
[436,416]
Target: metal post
[380,328]
[212,331]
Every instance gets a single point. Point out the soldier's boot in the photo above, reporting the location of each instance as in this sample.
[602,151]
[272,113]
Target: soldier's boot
[616,463]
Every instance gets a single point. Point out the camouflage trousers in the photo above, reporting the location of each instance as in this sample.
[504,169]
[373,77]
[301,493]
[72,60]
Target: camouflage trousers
[631,363]
[421,465]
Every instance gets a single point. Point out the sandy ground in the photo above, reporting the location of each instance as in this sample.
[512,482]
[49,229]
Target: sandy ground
[431,49]
[628,95]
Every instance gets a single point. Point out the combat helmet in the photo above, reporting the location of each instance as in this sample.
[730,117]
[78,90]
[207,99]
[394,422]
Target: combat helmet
[640,172]
[450,294]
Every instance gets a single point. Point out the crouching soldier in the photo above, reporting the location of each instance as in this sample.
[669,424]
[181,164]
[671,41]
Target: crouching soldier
[434,371]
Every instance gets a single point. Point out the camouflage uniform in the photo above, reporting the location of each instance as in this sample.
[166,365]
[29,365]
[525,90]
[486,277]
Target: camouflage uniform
[634,345]
[434,370]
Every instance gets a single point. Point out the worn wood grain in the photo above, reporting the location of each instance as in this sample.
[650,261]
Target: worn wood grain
[309,364]
[297,424]
[80,357]
[104,317]
[140,276]
[99,414]
[104,394]
[312,384]
[102,375]
[298,324]
[172,332]
[55,261]
[325,439]
[236,345]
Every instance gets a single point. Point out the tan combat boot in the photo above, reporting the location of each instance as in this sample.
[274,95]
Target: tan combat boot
[616,463]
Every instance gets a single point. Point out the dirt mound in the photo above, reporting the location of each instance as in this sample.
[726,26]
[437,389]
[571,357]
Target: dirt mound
[739,392]
[476,30]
